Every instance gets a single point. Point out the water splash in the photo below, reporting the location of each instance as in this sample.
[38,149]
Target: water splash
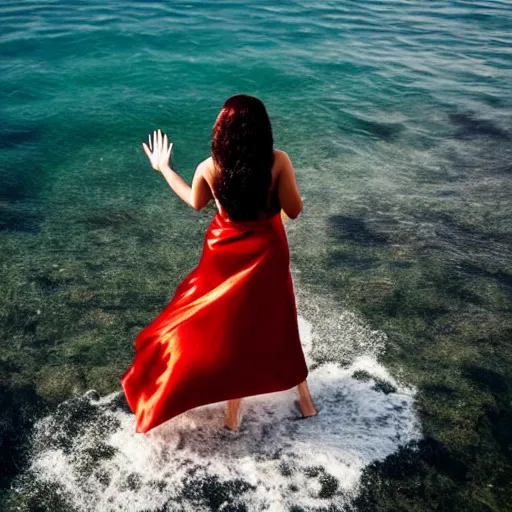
[88,453]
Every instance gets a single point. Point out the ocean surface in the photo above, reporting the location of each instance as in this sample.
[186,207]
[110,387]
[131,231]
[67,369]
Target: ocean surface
[397,116]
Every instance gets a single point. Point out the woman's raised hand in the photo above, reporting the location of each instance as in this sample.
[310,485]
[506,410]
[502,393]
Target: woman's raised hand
[159,150]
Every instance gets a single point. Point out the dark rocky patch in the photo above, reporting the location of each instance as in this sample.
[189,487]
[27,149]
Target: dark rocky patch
[119,403]
[437,389]
[92,455]
[19,319]
[313,471]
[49,284]
[447,193]
[399,304]
[70,422]
[43,497]
[329,486]
[20,407]
[285,469]
[328,483]
[21,184]
[361,375]
[354,229]
[379,384]
[109,218]
[17,216]
[499,421]
[383,387]
[12,136]
[379,130]
[414,475]
[485,379]
[344,259]
[133,482]
[501,276]
[213,493]
[469,125]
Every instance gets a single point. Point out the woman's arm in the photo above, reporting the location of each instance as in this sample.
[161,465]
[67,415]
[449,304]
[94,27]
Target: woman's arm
[159,152]
[288,191]
[196,196]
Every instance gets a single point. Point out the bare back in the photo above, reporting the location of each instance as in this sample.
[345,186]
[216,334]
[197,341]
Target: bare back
[283,191]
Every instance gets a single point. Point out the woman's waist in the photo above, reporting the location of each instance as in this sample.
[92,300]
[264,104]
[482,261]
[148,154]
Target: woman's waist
[247,241]
[269,218]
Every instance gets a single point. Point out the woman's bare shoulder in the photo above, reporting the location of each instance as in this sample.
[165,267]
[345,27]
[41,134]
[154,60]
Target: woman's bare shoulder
[206,168]
[206,165]
[281,161]
[280,155]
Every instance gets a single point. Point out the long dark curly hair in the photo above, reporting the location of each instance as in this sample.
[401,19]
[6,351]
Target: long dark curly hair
[243,153]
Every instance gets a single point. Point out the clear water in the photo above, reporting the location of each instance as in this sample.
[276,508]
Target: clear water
[398,118]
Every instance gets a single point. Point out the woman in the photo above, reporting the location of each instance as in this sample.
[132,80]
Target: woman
[231,329]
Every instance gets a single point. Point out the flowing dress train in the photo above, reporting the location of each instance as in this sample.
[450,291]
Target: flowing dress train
[229,332]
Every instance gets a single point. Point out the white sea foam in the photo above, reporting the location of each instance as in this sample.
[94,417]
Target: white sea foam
[190,463]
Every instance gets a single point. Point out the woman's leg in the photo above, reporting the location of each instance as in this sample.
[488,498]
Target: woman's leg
[307,407]
[232,414]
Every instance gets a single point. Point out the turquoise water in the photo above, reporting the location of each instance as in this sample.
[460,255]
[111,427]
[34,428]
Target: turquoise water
[398,118]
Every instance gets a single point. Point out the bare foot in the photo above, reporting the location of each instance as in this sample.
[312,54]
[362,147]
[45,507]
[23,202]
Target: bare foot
[232,414]
[305,403]
[231,424]
[308,413]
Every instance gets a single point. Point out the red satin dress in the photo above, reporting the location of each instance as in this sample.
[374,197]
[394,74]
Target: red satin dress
[229,332]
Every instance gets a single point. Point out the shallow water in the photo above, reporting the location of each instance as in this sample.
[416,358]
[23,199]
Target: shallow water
[90,449]
[398,118]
